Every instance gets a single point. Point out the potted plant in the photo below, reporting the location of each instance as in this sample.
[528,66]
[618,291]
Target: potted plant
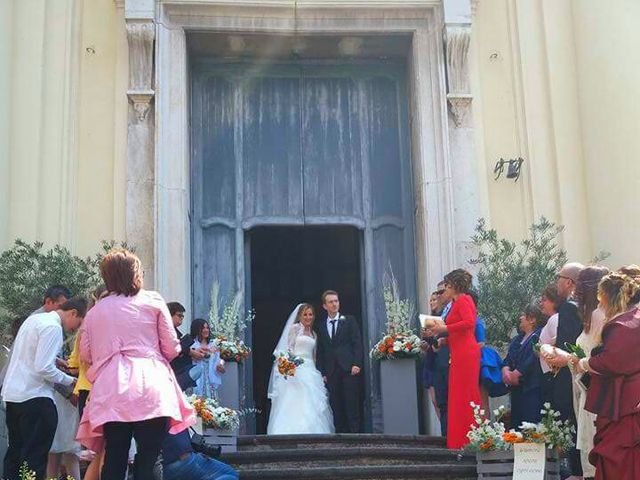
[228,323]
[398,351]
[217,424]
[493,445]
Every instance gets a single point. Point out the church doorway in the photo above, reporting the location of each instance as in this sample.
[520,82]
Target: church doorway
[289,265]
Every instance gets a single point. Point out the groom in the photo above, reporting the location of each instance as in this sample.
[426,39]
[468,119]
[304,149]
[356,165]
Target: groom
[339,360]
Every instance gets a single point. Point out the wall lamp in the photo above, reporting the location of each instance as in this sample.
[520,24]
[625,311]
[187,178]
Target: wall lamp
[514,167]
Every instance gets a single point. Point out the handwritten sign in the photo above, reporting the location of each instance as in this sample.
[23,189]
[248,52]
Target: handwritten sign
[528,461]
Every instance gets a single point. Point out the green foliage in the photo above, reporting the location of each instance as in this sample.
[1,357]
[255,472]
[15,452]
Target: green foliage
[511,274]
[26,270]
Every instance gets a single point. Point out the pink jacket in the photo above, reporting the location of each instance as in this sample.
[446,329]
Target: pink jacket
[129,342]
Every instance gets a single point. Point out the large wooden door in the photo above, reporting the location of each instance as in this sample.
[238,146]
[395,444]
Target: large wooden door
[302,145]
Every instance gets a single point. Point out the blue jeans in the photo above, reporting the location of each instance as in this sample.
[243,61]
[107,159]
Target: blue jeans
[198,467]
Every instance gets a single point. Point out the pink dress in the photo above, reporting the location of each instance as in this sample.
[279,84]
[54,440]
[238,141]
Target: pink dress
[129,342]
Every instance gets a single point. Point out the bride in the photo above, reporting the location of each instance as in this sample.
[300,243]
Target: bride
[299,404]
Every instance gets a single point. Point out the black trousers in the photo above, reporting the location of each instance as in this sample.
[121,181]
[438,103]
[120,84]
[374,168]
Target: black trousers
[148,434]
[31,426]
[344,398]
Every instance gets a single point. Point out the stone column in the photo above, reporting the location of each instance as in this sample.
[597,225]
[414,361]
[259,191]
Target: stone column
[464,174]
[140,206]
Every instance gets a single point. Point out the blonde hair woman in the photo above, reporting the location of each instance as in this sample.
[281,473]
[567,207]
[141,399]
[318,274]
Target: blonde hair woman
[614,388]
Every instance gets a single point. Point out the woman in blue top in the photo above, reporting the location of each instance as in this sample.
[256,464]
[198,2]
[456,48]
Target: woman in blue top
[521,369]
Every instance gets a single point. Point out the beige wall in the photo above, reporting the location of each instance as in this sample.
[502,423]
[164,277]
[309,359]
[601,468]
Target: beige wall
[608,67]
[62,122]
[555,81]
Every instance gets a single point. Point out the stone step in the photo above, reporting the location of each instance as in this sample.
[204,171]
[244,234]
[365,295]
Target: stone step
[378,472]
[270,442]
[347,455]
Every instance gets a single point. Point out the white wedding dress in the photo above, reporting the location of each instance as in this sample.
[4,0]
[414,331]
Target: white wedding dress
[299,404]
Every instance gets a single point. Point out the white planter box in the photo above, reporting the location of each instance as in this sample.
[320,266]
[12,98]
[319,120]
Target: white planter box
[399,387]
[498,465]
[226,439]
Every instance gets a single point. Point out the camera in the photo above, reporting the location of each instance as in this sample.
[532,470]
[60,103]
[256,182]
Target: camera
[200,446]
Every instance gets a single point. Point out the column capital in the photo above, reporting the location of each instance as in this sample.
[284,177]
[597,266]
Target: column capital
[457,39]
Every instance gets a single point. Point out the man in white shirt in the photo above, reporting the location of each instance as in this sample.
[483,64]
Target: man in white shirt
[28,387]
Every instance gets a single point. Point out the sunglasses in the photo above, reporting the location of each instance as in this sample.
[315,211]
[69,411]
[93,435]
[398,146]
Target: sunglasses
[440,292]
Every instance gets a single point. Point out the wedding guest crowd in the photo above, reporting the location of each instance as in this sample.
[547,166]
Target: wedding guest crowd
[130,364]
[589,320]
[118,370]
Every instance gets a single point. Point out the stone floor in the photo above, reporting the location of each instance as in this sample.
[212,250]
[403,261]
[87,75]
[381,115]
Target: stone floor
[357,457]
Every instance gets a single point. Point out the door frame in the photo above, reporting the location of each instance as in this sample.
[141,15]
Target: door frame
[424,21]
[429,130]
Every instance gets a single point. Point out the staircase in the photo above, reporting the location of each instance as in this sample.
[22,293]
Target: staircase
[347,456]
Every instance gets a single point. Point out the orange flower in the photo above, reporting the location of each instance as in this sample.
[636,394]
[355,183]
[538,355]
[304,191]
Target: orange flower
[382,348]
[389,342]
[512,437]
[409,346]
[487,445]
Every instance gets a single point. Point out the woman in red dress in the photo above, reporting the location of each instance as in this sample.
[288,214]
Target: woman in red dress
[464,370]
[614,388]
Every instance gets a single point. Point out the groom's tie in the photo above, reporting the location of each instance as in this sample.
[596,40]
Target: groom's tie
[333,328]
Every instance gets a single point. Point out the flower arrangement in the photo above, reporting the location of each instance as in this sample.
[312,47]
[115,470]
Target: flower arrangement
[213,415]
[26,473]
[487,436]
[228,327]
[396,346]
[555,433]
[232,351]
[398,341]
[287,364]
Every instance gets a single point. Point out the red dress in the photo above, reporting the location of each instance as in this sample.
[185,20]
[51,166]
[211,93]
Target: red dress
[614,393]
[464,370]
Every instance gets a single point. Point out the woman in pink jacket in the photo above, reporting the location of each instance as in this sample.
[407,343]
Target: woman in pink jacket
[128,339]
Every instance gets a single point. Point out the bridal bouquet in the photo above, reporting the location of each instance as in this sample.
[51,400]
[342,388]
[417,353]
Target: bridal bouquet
[228,326]
[287,364]
[399,341]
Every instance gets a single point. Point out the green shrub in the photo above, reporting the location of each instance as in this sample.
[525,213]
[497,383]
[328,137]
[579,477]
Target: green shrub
[26,270]
[511,274]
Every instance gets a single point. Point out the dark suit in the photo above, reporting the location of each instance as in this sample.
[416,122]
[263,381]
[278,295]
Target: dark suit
[335,358]
[569,328]
[183,363]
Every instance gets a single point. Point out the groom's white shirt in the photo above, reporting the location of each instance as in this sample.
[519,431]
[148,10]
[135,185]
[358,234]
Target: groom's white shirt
[329,319]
